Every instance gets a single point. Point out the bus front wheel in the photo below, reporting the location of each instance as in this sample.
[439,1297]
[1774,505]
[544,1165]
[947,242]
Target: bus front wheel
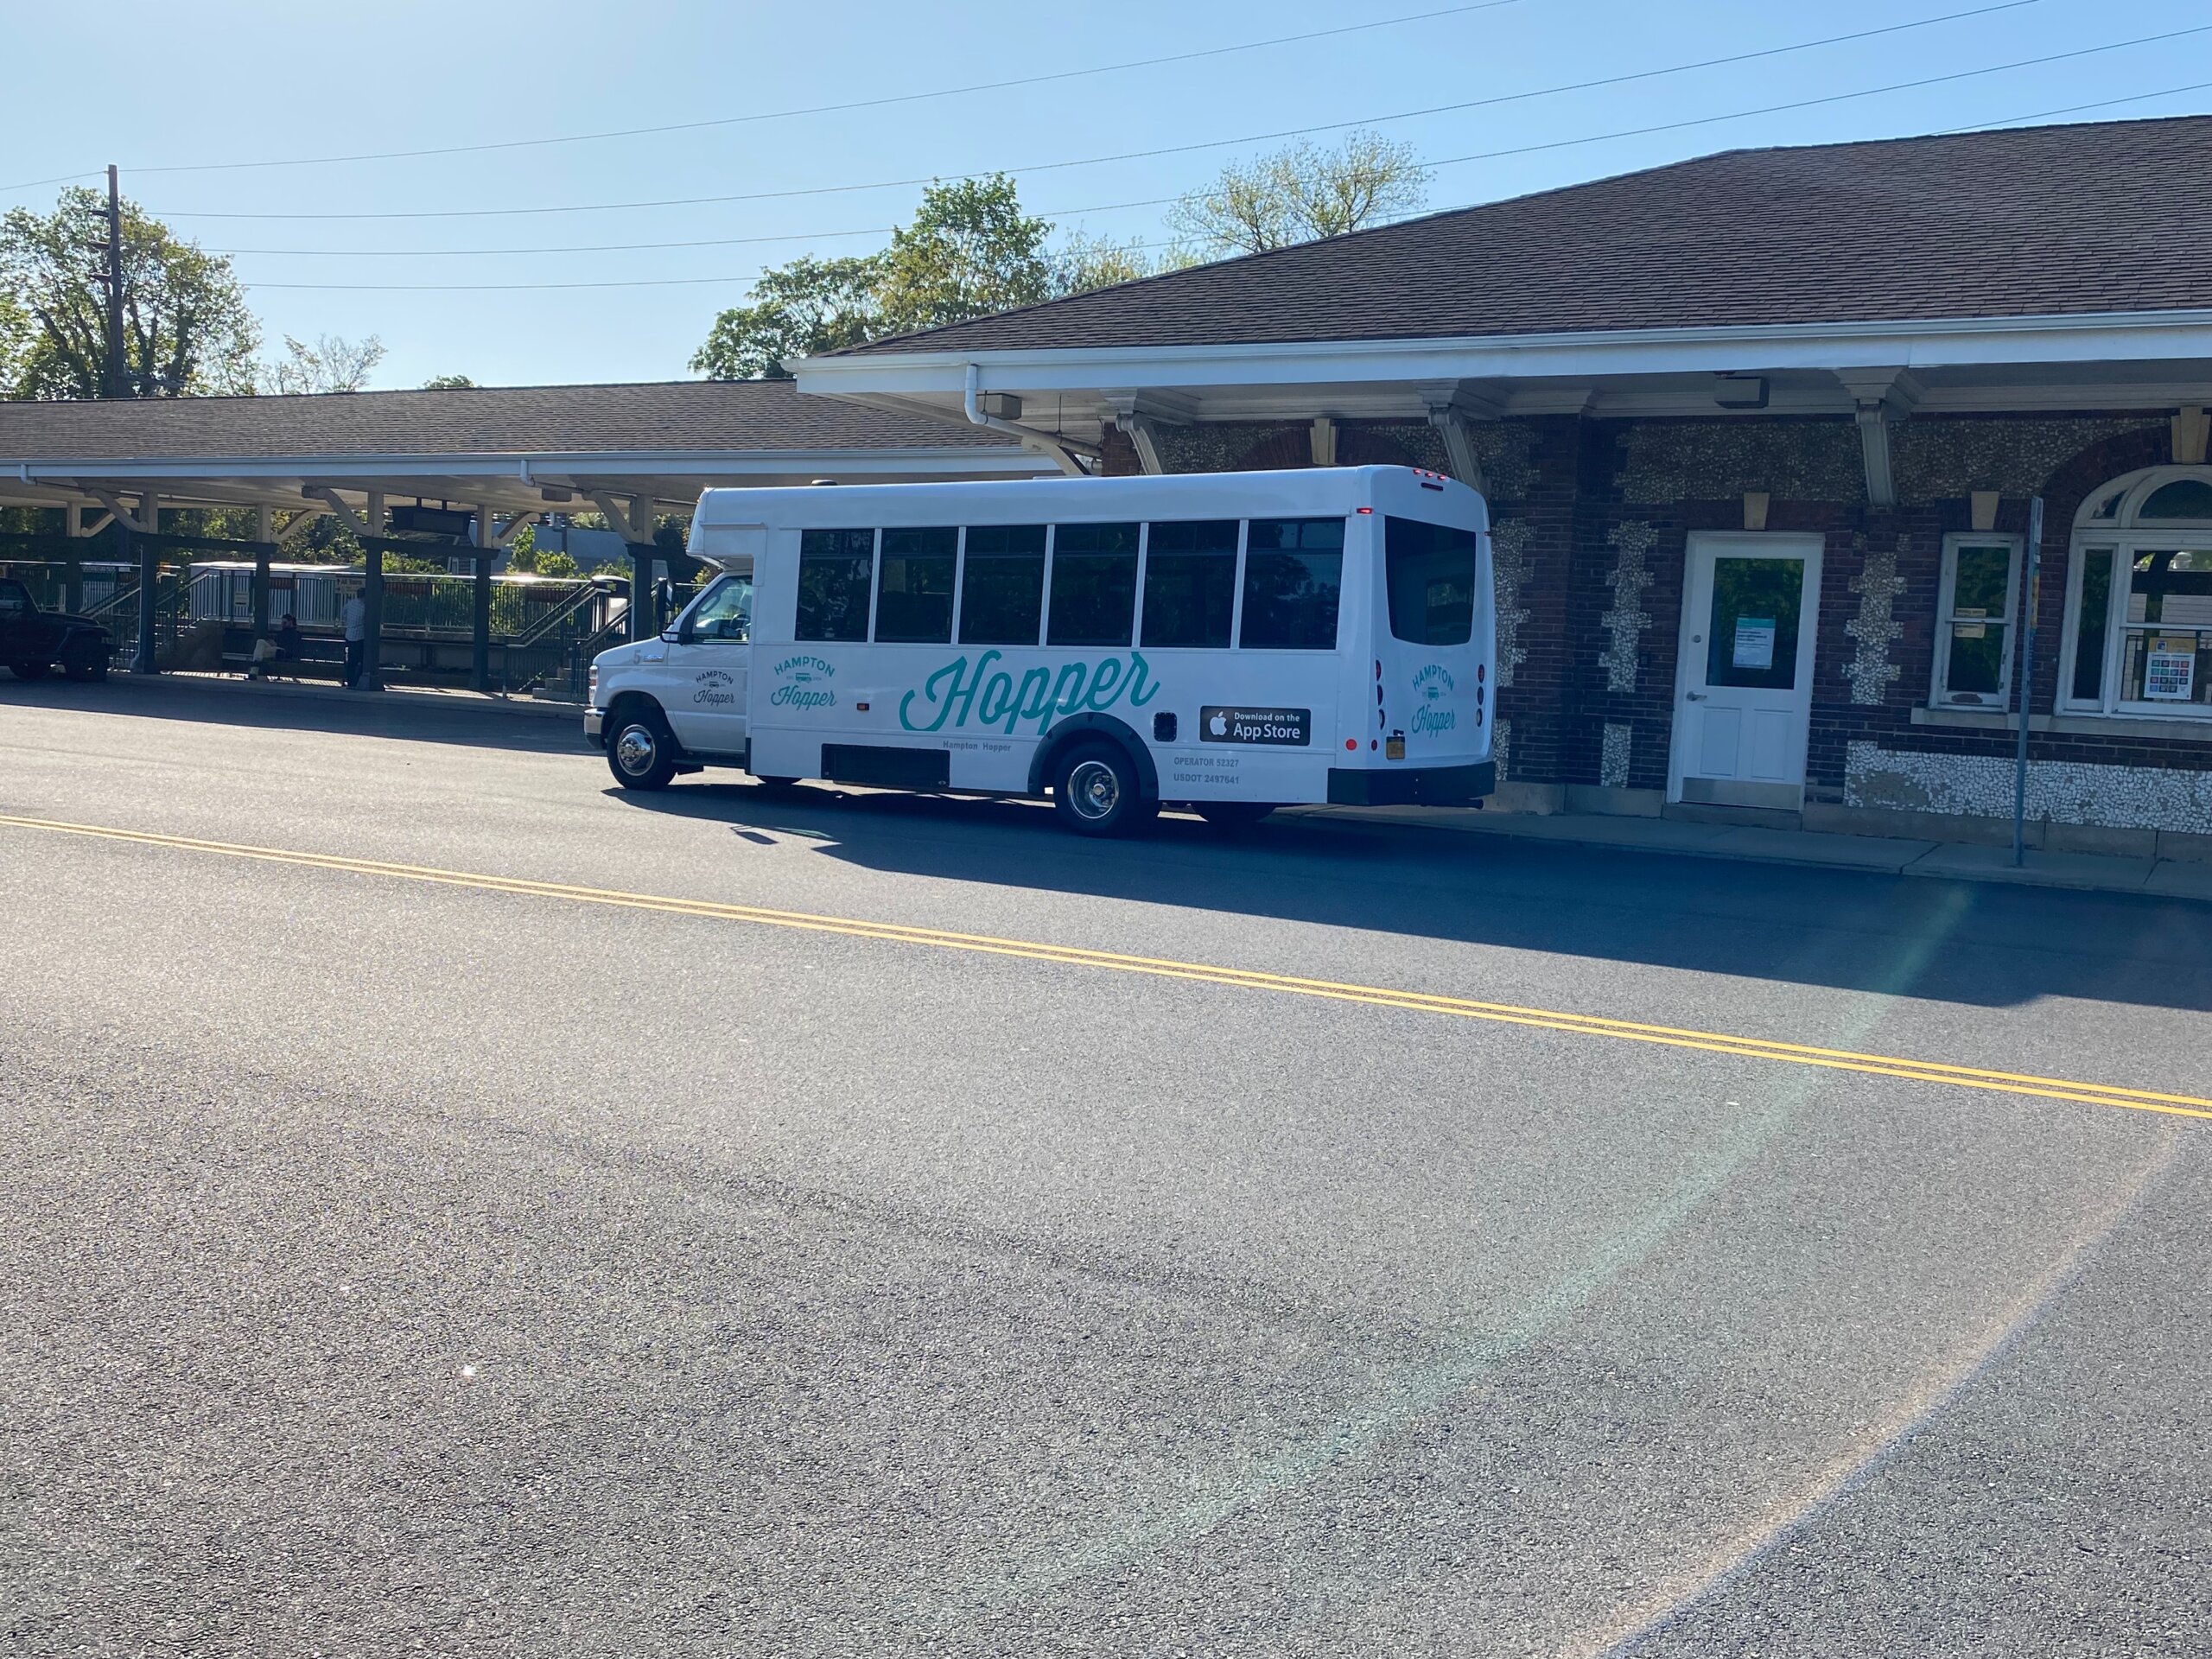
[1097,791]
[640,753]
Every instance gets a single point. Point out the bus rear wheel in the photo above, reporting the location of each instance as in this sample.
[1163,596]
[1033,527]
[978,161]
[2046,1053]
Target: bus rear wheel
[640,753]
[1097,791]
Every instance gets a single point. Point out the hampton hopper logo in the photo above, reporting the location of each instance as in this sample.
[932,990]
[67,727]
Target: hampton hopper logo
[992,697]
[801,682]
[714,688]
[1431,686]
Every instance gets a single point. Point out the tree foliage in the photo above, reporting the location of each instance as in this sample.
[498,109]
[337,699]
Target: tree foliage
[186,327]
[1302,193]
[332,363]
[447,382]
[809,306]
[970,251]
[1083,262]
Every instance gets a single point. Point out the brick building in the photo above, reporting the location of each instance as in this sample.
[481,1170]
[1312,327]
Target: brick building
[1760,434]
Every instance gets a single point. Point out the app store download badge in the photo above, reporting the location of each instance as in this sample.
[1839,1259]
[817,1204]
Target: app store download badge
[1284,728]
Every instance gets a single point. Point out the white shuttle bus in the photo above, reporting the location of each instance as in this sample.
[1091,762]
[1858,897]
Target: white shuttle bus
[1235,641]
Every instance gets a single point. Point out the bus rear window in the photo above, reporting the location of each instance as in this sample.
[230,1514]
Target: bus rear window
[1294,569]
[914,605]
[1190,584]
[833,568]
[1002,590]
[1094,585]
[1430,574]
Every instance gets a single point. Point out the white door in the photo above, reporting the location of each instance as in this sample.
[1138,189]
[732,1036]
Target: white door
[707,667]
[1744,699]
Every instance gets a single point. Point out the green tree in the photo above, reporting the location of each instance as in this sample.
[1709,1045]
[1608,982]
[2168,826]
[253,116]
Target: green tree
[186,327]
[970,251]
[809,306]
[1302,194]
[447,383]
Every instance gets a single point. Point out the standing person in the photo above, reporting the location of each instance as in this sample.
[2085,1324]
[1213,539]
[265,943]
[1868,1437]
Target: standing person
[355,618]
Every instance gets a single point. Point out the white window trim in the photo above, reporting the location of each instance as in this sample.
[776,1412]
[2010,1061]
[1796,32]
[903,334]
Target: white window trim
[1939,694]
[2119,539]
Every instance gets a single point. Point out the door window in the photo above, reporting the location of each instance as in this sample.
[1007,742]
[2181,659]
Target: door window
[724,611]
[1751,636]
[1430,575]
[1002,585]
[913,604]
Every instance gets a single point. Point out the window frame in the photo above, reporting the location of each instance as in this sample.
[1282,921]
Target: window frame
[874,560]
[1939,692]
[2120,538]
[875,581]
[1236,582]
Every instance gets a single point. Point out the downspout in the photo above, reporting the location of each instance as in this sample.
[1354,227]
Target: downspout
[1061,451]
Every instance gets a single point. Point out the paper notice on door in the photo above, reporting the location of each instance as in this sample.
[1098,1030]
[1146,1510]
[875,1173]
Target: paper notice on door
[1754,642]
[2170,670]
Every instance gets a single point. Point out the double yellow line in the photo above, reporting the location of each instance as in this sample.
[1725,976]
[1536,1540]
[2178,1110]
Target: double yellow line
[1710,1042]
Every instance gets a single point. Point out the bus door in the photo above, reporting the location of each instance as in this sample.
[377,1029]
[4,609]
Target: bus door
[1431,695]
[705,673]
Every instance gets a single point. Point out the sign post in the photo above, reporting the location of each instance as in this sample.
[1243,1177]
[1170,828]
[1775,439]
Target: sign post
[2027,648]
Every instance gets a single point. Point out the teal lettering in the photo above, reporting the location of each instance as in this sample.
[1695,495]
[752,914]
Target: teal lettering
[1034,701]
[929,693]
[1105,684]
[998,697]
[1067,697]
[1139,697]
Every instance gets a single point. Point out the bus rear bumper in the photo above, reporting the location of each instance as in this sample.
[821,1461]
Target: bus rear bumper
[1413,786]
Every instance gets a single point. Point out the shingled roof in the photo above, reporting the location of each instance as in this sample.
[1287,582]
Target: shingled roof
[711,416]
[2093,218]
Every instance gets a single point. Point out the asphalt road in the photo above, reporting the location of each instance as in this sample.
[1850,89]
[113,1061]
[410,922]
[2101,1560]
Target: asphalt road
[389,1265]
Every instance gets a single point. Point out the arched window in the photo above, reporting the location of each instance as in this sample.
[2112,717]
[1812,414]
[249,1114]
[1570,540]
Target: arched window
[2138,603]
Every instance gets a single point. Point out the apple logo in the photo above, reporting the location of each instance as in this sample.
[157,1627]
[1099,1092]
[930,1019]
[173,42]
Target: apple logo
[1219,726]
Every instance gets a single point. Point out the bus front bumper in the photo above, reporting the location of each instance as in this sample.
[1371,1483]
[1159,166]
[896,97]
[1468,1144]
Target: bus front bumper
[1412,785]
[592,734]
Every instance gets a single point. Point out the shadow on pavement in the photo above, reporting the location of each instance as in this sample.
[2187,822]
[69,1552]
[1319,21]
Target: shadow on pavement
[1980,944]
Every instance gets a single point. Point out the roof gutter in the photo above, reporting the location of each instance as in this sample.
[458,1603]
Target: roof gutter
[1061,451]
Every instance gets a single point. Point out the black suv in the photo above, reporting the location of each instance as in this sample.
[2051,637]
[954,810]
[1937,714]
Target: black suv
[32,641]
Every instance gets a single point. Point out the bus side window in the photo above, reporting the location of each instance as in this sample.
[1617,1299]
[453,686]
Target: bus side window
[1002,585]
[1294,569]
[1094,585]
[1190,584]
[834,570]
[913,605]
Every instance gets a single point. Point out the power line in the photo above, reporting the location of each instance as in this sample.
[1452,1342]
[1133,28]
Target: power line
[2076,109]
[818,109]
[1492,101]
[856,104]
[1451,161]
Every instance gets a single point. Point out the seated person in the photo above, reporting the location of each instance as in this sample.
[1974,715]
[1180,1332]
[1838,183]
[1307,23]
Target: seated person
[288,639]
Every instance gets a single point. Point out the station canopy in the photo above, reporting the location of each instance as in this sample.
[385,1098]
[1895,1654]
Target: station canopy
[512,449]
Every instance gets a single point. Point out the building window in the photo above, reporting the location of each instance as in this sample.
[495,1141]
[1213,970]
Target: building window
[1974,605]
[2138,633]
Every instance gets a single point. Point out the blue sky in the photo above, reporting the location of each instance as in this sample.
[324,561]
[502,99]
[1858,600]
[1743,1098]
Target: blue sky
[259,82]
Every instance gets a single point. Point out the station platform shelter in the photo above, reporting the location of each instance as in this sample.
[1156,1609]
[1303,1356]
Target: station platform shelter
[443,478]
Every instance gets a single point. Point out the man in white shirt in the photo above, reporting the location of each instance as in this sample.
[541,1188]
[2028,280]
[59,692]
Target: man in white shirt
[355,619]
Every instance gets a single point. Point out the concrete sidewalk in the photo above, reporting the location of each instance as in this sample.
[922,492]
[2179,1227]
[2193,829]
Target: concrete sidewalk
[2163,878]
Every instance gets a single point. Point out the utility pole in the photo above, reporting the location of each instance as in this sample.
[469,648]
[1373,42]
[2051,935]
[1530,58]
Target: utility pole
[112,381]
